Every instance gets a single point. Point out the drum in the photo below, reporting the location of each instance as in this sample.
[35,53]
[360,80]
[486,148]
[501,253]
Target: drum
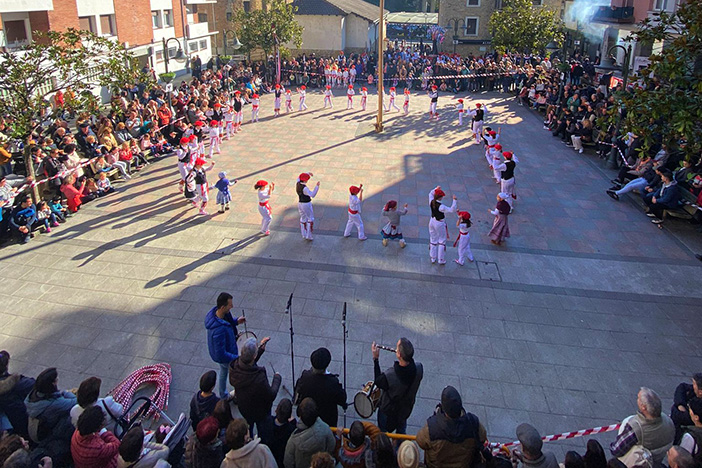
[366,401]
[242,337]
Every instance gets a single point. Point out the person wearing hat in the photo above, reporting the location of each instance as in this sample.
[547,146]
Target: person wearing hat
[364,98]
[463,239]
[491,138]
[302,91]
[405,106]
[288,101]
[478,116]
[328,95]
[408,455]
[264,208]
[304,205]
[399,384]
[228,122]
[500,226]
[184,157]
[349,94]
[529,454]
[199,132]
[438,231]
[202,188]
[255,102]
[223,195]
[452,438]
[392,229]
[215,133]
[433,93]
[506,170]
[205,449]
[354,210]
[324,388]
[311,436]
[238,105]
[278,91]
[461,111]
[391,102]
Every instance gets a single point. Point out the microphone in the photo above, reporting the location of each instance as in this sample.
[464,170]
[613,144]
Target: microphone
[287,308]
[343,315]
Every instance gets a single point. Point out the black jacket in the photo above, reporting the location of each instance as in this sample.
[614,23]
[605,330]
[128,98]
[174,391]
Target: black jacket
[325,390]
[253,392]
[201,407]
[683,394]
[14,388]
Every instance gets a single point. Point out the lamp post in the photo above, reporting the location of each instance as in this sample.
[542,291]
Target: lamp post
[178,54]
[553,47]
[456,22]
[608,64]
[236,45]
[381,75]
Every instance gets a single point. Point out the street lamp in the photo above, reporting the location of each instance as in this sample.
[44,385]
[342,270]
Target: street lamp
[178,55]
[608,64]
[236,46]
[456,22]
[553,47]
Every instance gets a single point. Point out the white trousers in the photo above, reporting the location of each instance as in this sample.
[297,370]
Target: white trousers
[432,108]
[303,106]
[464,248]
[288,106]
[507,186]
[182,168]
[214,145]
[392,105]
[577,142]
[355,220]
[477,127]
[488,157]
[460,119]
[438,232]
[363,102]
[254,114]
[266,217]
[349,104]
[229,126]
[327,100]
[306,219]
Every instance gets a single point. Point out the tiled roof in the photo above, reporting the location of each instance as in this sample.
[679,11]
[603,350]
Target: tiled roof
[360,8]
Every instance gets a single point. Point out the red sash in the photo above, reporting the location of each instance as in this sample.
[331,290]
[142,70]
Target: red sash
[352,211]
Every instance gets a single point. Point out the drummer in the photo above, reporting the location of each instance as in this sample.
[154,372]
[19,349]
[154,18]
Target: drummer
[324,388]
[221,338]
[399,384]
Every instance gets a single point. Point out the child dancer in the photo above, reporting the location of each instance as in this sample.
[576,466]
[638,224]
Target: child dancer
[276,105]
[434,96]
[478,116]
[228,122]
[238,111]
[202,188]
[288,101]
[328,97]
[304,205]
[223,195]
[355,200]
[463,239]
[392,229]
[405,106]
[302,90]
[491,138]
[255,101]
[391,103]
[496,163]
[183,155]
[364,97]
[199,133]
[349,94]
[459,107]
[215,138]
[264,194]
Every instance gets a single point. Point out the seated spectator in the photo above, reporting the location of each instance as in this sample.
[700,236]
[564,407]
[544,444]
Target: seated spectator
[573,460]
[93,446]
[103,185]
[204,449]
[133,453]
[684,393]
[10,444]
[530,455]
[84,132]
[74,196]
[354,448]
[245,452]
[452,437]
[594,455]
[49,410]
[203,402]
[649,428]
[311,436]
[22,219]
[666,197]
[644,184]
[283,427]
[138,154]
[628,173]
[107,138]
[14,453]
[89,395]
[14,388]
[45,217]
[125,168]
[678,457]
[122,134]
[58,210]
[72,160]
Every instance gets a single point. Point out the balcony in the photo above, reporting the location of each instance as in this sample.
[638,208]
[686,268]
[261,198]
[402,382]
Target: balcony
[194,30]
[21,6]
[616,15]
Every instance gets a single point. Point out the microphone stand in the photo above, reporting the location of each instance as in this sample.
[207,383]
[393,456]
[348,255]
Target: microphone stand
[343,324]
[288,310]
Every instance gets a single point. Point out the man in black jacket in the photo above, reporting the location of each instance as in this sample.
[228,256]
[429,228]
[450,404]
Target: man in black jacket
[254,394]
[683,394]
[14,388]
[324,388]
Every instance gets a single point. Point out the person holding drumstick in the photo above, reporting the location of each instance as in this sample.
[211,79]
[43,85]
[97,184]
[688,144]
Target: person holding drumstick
[399,384]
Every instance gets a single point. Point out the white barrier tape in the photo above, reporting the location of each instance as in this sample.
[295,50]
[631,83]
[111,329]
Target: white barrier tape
[564,435]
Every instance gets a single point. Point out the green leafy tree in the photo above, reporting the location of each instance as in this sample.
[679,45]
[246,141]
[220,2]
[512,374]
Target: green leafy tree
[522,27]
[256,28]
[666,103]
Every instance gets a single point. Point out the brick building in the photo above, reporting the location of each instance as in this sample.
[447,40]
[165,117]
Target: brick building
[473,17]
[141,25]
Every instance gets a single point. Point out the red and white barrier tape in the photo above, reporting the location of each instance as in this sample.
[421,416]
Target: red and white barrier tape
[61,174]
[565,435]
[428,78]
[621,155]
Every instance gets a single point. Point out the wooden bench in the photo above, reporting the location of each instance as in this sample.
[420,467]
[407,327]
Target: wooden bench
[687,209]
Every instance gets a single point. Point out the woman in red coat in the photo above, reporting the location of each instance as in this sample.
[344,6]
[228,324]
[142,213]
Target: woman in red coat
[93,446]
[72,194]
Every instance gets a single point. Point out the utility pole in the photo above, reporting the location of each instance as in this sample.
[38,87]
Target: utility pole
[381,40]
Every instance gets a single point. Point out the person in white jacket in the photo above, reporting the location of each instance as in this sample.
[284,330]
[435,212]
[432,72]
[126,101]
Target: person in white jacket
[88,395]
[246,452]
[438,230]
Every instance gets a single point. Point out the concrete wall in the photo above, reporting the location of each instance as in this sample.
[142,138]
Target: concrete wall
[321,33]
[356,32]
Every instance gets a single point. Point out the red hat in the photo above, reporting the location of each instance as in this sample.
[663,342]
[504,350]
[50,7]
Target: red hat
[464,214]
[217,105]
[478,105]
[498,147]
[237,92]
[460,100]
[364,89]
[392,88]
[354,190]
[255,96]
[350,86]
[213,123]
[303,87]
[434,87]
[199,123]
[390,205]
[277,86]
[304,177]
[407,91]
[261,183]
[507,154]
[200,162]
[438,193]
[328,87]
[184,141]
[207,430]
[192,137]
[492,133]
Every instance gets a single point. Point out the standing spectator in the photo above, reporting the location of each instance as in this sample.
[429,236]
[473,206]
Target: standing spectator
[530,455]
[204,449]
[648,428]
[93,446]
[246,452]
[311,436]
[684,393]
[354,448]
[283,427]
[678,457]
[14,388]
[594,455]
[203,402]
[221,337]
[382,452]
[691,437]
[451,437]
[400,384]
[133,453]
[253,392]
[89,395]
[324,388]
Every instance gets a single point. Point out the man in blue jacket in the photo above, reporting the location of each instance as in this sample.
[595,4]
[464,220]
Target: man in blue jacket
[221,337]
[665,197]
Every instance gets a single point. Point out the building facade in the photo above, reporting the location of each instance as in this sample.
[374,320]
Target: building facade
[469,20]
[142,25]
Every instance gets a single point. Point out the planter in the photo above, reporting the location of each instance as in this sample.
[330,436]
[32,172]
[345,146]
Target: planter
[167,77]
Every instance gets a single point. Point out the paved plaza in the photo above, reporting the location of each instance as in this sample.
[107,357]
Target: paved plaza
[586,302]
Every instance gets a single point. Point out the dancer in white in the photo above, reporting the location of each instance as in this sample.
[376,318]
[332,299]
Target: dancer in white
[507,177]
[328,95]
[288,101]
[349,94]
[304,205]
[405,106]
[264,194]
[215,138]
[463,239]
[391,103]
[491,138]
[255,102]
[355,200]
[434,96]
[302,91]
[228,122]
[184,160]
[459,108]
[276,103]
[478,117]
[364,97]
[438,230]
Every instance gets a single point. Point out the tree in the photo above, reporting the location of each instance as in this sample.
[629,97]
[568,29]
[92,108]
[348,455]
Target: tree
[522,27]
[79,60]
[666,104]
[255,28]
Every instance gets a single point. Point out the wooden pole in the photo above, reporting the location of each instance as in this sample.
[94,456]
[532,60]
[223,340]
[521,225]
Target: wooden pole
[391,435]
[381,40]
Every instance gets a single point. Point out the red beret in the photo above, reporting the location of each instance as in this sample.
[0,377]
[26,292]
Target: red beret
[507,154]
[354,190]
[350,86]
[303,87]
[392,88]
[460,100]
[214,123]
[364,89]
[478,105]
[199,123]
[464,214]
[304,177]
[184,141]
[498,147]
[255,96]
[217,104]
[277,86]
[199,162]
[262,183]
[438,193]
[328,87]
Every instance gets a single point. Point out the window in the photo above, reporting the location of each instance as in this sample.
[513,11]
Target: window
[190,9]
[159,56]
[472,3]
[471,26]
[537,2]
[192,47]
[87,23]
[247,6]
[229,17]
[107,25]
[202,17]
[15,31]
[171,52]
[156,19]
[167,18]
[661,5]
[203,44]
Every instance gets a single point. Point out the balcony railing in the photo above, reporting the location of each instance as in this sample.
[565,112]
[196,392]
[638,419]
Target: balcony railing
[607,14]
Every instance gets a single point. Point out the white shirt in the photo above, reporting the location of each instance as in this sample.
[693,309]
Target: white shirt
[264,195]
[350,92]
[311,193]
[354,203]
[443,208]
